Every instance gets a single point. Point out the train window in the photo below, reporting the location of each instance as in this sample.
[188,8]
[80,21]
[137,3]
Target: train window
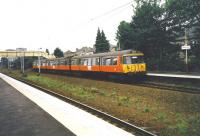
[97,61]
[62,62]
[127,60]
[42,63]
[133,59]
[78,61]
[73,62]
[34,63]
[89,61]
[114,61]
[56,62]
[67,62]
[47,63]
[93,61]
[85,62]
[107,61]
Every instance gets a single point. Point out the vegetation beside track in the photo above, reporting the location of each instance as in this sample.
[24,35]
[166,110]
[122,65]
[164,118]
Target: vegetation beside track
[166,112]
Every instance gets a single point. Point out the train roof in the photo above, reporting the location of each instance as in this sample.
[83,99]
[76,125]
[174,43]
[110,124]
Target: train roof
[106,54]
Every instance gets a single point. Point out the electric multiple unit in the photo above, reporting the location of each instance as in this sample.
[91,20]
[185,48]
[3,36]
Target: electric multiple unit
[118,62]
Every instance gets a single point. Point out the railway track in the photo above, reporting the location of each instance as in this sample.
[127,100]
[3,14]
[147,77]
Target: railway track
[187,85]
[166,83]
[138,131]
[173,87]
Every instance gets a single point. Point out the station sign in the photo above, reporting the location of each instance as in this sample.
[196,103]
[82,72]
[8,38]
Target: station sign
[185,47]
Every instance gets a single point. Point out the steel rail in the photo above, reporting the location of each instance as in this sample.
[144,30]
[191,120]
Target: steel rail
[169,87]
[173,83]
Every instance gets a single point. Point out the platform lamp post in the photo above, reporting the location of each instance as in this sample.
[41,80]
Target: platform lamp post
[39,61]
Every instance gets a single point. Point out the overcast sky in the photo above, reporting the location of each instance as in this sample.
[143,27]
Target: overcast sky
[67,24]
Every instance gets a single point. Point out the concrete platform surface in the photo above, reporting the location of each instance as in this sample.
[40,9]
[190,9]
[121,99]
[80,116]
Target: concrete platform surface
[174,75]
[21,117]
[76,120]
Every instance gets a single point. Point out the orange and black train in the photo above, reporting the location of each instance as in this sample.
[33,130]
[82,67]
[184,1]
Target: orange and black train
[127,62]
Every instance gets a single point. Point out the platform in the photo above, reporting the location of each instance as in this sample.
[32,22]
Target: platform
[189,76]
[21,117]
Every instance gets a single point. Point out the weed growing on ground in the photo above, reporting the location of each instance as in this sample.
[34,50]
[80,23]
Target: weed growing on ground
[113,94]
[146,109]
[161,116]
[124,101]
[97,91]
[79,91]
[194,121]
[181,125]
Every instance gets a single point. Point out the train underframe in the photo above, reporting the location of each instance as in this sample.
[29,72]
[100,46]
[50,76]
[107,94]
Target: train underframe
[128,77]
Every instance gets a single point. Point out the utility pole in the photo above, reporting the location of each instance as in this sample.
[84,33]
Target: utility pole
[119,48]
[39,62]
[22,64]
[186,47]
[8,63]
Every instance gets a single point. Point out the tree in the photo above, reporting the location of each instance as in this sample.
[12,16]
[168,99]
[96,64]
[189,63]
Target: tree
[147,34]
[105,44]
[181,15]
[101,43]
[156,30]
[47,51]
[123,36]
[98,42]
[58,53]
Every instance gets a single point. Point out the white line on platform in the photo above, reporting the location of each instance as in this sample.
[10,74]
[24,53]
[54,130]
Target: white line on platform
[174,75]
[78,121]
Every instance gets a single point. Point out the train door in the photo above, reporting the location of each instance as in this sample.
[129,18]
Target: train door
[89,66]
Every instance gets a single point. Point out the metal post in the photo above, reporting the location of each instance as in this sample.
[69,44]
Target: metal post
[39,64]
[119,47]
[23,65]
[186,53]
[39,61]
[186,60]
[8,62]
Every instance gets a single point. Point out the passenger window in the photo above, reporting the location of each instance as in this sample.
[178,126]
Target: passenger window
[127,60]
[62,62]
[67,61]
[93,61]
[73,62]
[114,61]
[51,63]
[82,61]
[85,63]
[97,61]
[107,61]
[89,62]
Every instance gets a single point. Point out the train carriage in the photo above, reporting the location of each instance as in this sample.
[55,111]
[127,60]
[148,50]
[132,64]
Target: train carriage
[120,62]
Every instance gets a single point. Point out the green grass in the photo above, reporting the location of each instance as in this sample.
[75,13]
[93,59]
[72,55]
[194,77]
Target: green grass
[124,101]
[181,126]
[146,109]
[81,92]
[161,116]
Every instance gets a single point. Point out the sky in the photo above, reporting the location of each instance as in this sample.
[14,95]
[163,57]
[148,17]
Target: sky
[67,24]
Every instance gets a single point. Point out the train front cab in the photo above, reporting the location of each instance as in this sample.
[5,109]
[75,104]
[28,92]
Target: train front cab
[133,64]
